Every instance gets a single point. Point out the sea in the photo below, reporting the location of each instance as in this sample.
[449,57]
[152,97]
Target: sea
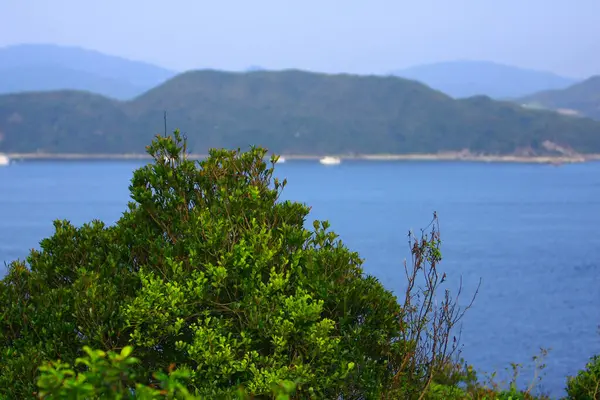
[529,233]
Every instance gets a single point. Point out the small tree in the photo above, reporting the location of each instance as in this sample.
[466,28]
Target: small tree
[210,271]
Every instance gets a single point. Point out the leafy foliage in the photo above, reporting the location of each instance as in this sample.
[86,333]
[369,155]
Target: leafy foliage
[290,112]
[109,376]
[105,377]
[208,270]
[586,385]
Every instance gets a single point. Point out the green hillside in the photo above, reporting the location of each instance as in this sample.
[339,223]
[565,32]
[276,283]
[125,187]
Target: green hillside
[289,112]
[583,98]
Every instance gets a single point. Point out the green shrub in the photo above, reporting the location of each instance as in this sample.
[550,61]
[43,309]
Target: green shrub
[586,385]
[224,293]
[109,376]
[106,376]
[208,270]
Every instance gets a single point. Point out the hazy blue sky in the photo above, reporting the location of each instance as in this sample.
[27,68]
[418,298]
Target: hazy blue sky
[350,35]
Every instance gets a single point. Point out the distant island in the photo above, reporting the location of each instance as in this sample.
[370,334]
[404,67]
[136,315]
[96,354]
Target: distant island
[294,113]
[462,79]
[42,67]
[581,99]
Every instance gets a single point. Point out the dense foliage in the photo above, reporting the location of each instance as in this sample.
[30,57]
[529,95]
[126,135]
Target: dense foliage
[110,376]
[207,270]
[586,385]
[290,112]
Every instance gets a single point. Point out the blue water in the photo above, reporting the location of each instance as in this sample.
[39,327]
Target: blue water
[531,232]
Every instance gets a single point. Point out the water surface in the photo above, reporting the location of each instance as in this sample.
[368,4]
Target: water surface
[531,232]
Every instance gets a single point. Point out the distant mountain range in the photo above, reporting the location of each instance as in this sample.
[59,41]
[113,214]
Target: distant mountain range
[580,99]
[289,112]
[42,67]
[72,100]
[461,79]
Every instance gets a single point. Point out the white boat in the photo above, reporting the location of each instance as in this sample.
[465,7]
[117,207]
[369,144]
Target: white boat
[4,160]
[280,160]
[328,160]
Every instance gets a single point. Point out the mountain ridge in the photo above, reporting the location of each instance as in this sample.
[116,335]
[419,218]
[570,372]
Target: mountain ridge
[36,67]
[582,98]
[289,112]
[466,78]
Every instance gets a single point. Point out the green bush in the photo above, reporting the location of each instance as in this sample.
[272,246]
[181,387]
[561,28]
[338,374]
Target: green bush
[586,385]
[224,293]
[106,376]
[109,376]
[209,271]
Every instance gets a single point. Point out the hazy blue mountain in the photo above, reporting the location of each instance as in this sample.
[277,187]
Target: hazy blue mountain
[470,78]
[582,98]
[41,67]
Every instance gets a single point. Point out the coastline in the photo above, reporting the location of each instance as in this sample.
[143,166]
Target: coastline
[364,157]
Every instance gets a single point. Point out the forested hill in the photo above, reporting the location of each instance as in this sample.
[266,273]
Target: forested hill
[289,112]
[582,98]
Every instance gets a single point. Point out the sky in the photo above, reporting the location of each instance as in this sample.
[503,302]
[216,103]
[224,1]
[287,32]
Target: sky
[375,36]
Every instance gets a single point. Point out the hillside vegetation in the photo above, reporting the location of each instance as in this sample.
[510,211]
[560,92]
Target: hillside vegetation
[39,67]
[471,78]
[584,98]
[289,112]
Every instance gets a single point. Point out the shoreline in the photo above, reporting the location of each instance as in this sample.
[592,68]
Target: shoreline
[362,157]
